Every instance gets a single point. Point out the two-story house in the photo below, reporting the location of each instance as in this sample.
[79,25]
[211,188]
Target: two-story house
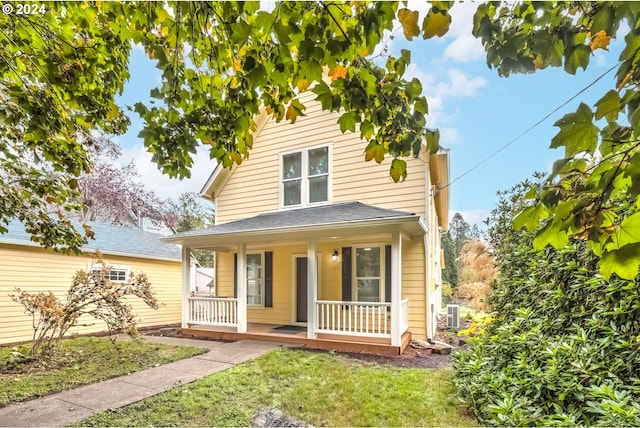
[316,246]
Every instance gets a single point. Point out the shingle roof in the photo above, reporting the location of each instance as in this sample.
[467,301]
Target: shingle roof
[321,215]
[109,239]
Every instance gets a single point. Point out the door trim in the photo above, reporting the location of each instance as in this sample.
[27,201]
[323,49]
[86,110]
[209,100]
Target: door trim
[294,288]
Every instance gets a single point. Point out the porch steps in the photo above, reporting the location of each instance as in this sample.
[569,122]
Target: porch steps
[319,343]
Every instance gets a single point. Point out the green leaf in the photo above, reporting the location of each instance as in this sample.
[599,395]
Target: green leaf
[421,105]
[578,57]
[628,232]
[398,170]
[435,24]
[409,21]
[550,235]
[530,217]
[433,140]
[608,106]
[624,262]
[577,132]
[375,151]
[348,121]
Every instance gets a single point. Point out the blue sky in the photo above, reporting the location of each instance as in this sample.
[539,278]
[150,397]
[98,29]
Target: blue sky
[476,111]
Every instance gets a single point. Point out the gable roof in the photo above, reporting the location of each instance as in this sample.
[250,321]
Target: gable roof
[318,219]
[109,239]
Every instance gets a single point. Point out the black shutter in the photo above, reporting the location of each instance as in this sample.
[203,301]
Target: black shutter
[268,279]
[387,273]
[346,274]
[235,275]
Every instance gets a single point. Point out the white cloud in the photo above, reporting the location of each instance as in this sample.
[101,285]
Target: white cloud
[449,136]
[461,84]
[472,217]
[465,48]
[161,184]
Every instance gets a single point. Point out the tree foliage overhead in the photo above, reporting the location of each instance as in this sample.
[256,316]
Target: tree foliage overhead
[221,63]
[583,197]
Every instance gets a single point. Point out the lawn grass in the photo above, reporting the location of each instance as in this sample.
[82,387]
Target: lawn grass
[322,389]
[82,361]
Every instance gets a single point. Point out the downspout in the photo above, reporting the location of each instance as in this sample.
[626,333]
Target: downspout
[427,261]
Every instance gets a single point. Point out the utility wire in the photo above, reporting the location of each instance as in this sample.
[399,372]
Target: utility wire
[513,140]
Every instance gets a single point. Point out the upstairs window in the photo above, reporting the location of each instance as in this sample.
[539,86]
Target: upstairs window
[305,177]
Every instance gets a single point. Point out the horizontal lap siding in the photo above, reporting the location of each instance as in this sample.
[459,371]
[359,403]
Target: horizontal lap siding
[254,187]
[34,269]
[413,285]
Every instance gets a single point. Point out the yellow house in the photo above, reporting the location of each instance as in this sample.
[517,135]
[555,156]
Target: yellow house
[26,265]
[316,246]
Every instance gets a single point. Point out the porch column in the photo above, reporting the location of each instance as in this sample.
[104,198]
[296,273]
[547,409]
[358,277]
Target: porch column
[186,285]
[396,283]
[242,288]
[312,288]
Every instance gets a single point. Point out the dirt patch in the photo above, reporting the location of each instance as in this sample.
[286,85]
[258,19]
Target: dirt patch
[410,358]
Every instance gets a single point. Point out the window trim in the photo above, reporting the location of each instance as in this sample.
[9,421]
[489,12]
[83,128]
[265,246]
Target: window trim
[304,178]
[92,267]
[262,279]
[355,277]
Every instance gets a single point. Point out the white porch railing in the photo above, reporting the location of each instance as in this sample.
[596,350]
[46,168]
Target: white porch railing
[404,316]
[213,311]
[353,318]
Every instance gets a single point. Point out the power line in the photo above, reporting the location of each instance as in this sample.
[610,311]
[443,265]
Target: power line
[513,140]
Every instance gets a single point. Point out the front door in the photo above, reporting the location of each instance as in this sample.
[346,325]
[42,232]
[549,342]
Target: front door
[301,289]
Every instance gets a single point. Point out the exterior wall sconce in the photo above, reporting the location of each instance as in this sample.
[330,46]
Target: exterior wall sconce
[334,256]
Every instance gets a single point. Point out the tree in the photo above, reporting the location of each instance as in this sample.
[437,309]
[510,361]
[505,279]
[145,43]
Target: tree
[112,194]
[450,271]
[476,273]
[191,216]
[581,198]
[221,63]
[459,230]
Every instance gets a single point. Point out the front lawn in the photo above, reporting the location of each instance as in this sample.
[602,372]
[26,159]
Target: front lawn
[82,361]
[322,389]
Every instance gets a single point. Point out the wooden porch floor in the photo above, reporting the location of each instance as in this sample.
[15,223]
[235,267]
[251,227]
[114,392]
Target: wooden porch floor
[267,333]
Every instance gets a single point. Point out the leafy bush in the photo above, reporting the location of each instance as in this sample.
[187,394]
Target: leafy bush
[91,294]
[564,346]
[447,292]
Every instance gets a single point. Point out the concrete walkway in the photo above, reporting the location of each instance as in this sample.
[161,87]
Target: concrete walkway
[77,404]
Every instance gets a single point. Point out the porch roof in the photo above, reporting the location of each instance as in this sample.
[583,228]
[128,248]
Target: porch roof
[320,221]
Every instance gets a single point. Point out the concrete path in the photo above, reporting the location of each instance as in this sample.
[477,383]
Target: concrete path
[74,405]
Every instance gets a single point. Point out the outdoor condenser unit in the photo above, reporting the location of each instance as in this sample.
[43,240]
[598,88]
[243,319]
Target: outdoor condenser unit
[453,316]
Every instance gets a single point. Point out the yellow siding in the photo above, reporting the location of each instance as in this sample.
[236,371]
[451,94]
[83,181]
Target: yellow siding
[253,188]
[330,286]
[35,269]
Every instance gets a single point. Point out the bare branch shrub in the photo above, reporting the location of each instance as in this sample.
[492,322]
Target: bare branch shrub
[92,294]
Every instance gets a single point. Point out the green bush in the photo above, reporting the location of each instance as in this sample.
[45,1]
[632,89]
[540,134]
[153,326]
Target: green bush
[447,292]
[564,346]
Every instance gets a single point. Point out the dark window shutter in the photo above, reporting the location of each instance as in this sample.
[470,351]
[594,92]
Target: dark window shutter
[346,274]
[387,273]
[235,275]
[268,279]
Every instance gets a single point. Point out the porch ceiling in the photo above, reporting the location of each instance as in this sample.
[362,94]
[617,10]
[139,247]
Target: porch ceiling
[327,221]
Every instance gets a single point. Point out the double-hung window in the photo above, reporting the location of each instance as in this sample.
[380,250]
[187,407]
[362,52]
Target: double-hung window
[305,177]
[255,280]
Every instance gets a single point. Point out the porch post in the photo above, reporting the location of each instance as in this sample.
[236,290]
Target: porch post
[242,288]
[186,285]
[396,282]
[312,288]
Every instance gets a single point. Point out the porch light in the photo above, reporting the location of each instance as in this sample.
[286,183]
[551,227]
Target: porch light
[334,256]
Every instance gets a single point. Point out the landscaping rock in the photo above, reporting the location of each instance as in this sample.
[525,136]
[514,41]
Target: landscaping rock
[420,344]
[272,417]
[441,349]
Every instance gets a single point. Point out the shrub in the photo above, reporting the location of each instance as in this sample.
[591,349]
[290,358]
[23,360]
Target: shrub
[91,294]
[564,345]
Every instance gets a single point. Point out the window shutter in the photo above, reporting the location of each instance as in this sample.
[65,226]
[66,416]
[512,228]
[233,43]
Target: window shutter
[346,274]
[235,275]
[387,273]
[268,279]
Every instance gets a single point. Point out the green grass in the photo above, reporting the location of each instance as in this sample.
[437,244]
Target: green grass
[322,389]
[82,361]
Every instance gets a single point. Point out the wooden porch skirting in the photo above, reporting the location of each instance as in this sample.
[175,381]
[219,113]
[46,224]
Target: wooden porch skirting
[324,341]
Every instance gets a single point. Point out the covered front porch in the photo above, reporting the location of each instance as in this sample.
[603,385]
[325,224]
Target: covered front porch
[328,284]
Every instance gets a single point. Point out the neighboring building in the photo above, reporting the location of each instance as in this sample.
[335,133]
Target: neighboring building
[26,265]
[308,234]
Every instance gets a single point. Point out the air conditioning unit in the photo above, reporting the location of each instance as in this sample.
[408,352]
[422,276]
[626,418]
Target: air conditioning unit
[453,316]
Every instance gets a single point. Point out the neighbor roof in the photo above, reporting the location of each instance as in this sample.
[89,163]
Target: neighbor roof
[109,239]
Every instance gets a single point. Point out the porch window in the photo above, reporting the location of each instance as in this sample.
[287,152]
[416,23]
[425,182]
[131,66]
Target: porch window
[254,279]
[368,274]
[305,177]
